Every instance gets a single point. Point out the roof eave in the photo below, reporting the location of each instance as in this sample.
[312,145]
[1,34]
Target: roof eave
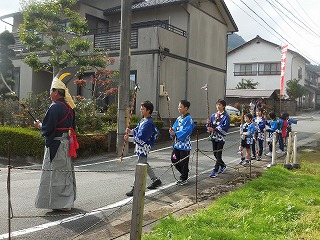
[231,24]
[117,10]
[10,15]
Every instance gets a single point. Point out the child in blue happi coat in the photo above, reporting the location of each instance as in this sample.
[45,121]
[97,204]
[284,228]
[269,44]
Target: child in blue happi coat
[144,136]
[246,132]
[180,132]
[218,126]
[272,126]
[260,124]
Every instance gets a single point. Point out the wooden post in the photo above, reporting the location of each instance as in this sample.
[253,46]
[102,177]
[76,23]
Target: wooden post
[138,201]
[9,191]
[274,152]
[287,163]
[124,81]
[295,151]
[197,164]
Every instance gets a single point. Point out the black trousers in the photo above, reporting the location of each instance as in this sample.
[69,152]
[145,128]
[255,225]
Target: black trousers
[260,143]
[217,148]
[183,166]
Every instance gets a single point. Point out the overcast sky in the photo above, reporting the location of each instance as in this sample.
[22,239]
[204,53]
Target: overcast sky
[298,27]
[292,22]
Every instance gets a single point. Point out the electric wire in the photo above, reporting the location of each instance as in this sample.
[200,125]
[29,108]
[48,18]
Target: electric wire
[278,24]
[307,15]
[256,21]
[289,42]
[294,21]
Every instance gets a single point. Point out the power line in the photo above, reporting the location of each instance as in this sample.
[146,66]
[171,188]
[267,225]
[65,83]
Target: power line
[307,14]
[268,24]
[278,11]
[297,12]
[269,27]
[268,15]
[263,20]
[283,7]
[256,21]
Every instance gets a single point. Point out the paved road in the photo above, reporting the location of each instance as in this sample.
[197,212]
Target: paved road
[102,182]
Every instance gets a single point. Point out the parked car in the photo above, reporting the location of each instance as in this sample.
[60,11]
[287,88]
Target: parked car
[232,110]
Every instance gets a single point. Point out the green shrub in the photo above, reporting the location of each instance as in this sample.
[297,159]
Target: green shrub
[29,142]
[91,144]
[158,123]
[136,119]
[111,114]
[23,142]
[88,120]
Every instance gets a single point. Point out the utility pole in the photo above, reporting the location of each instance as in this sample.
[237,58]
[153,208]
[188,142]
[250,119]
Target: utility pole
[124,82]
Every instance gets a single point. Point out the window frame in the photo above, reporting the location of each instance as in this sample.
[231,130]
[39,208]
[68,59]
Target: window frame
[250,69]
[270,69]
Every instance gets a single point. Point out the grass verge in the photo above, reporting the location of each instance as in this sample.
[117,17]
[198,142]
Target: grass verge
[281,204]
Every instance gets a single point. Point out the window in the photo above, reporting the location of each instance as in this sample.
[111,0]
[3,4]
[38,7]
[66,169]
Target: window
[96,25]
[133,82]
[318,99]
[133,79]
[300,72]
[16,78]
[245,69]
[269,68]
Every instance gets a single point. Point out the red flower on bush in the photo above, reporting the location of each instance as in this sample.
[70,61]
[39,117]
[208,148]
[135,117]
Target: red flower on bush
[78,98]
[111,91]
[80,82]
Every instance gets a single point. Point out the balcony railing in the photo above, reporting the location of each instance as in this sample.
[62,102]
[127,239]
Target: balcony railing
[109,38]
[247,73]
[18,47]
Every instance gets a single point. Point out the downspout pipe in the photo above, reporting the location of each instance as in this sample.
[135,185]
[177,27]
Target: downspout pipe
[187,50]
[226,74]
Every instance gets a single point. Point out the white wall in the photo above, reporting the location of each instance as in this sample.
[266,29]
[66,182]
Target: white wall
[25,78]
[263,52]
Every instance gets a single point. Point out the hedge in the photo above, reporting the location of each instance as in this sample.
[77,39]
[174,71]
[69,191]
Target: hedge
[29,142]
[23,142]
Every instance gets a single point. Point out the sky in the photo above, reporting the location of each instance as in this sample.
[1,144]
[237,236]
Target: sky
[292,22]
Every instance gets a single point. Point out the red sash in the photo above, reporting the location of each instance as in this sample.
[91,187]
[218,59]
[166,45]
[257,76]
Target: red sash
[73,142]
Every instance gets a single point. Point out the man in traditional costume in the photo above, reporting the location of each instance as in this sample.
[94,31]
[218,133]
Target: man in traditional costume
[57,188]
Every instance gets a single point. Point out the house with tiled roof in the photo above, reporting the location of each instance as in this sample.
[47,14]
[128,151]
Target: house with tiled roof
[259,60]
[177,46]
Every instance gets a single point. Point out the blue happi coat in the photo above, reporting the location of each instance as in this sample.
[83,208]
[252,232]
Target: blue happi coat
[144,136]
[260,124]
[247,131]
[220,122]
[183,128]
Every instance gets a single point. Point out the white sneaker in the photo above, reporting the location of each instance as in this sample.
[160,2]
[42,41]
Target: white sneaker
[269,154]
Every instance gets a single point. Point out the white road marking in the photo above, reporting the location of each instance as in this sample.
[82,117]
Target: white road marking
[98,210]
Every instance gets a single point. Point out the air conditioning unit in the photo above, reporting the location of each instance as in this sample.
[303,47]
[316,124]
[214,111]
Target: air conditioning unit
[162,90]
